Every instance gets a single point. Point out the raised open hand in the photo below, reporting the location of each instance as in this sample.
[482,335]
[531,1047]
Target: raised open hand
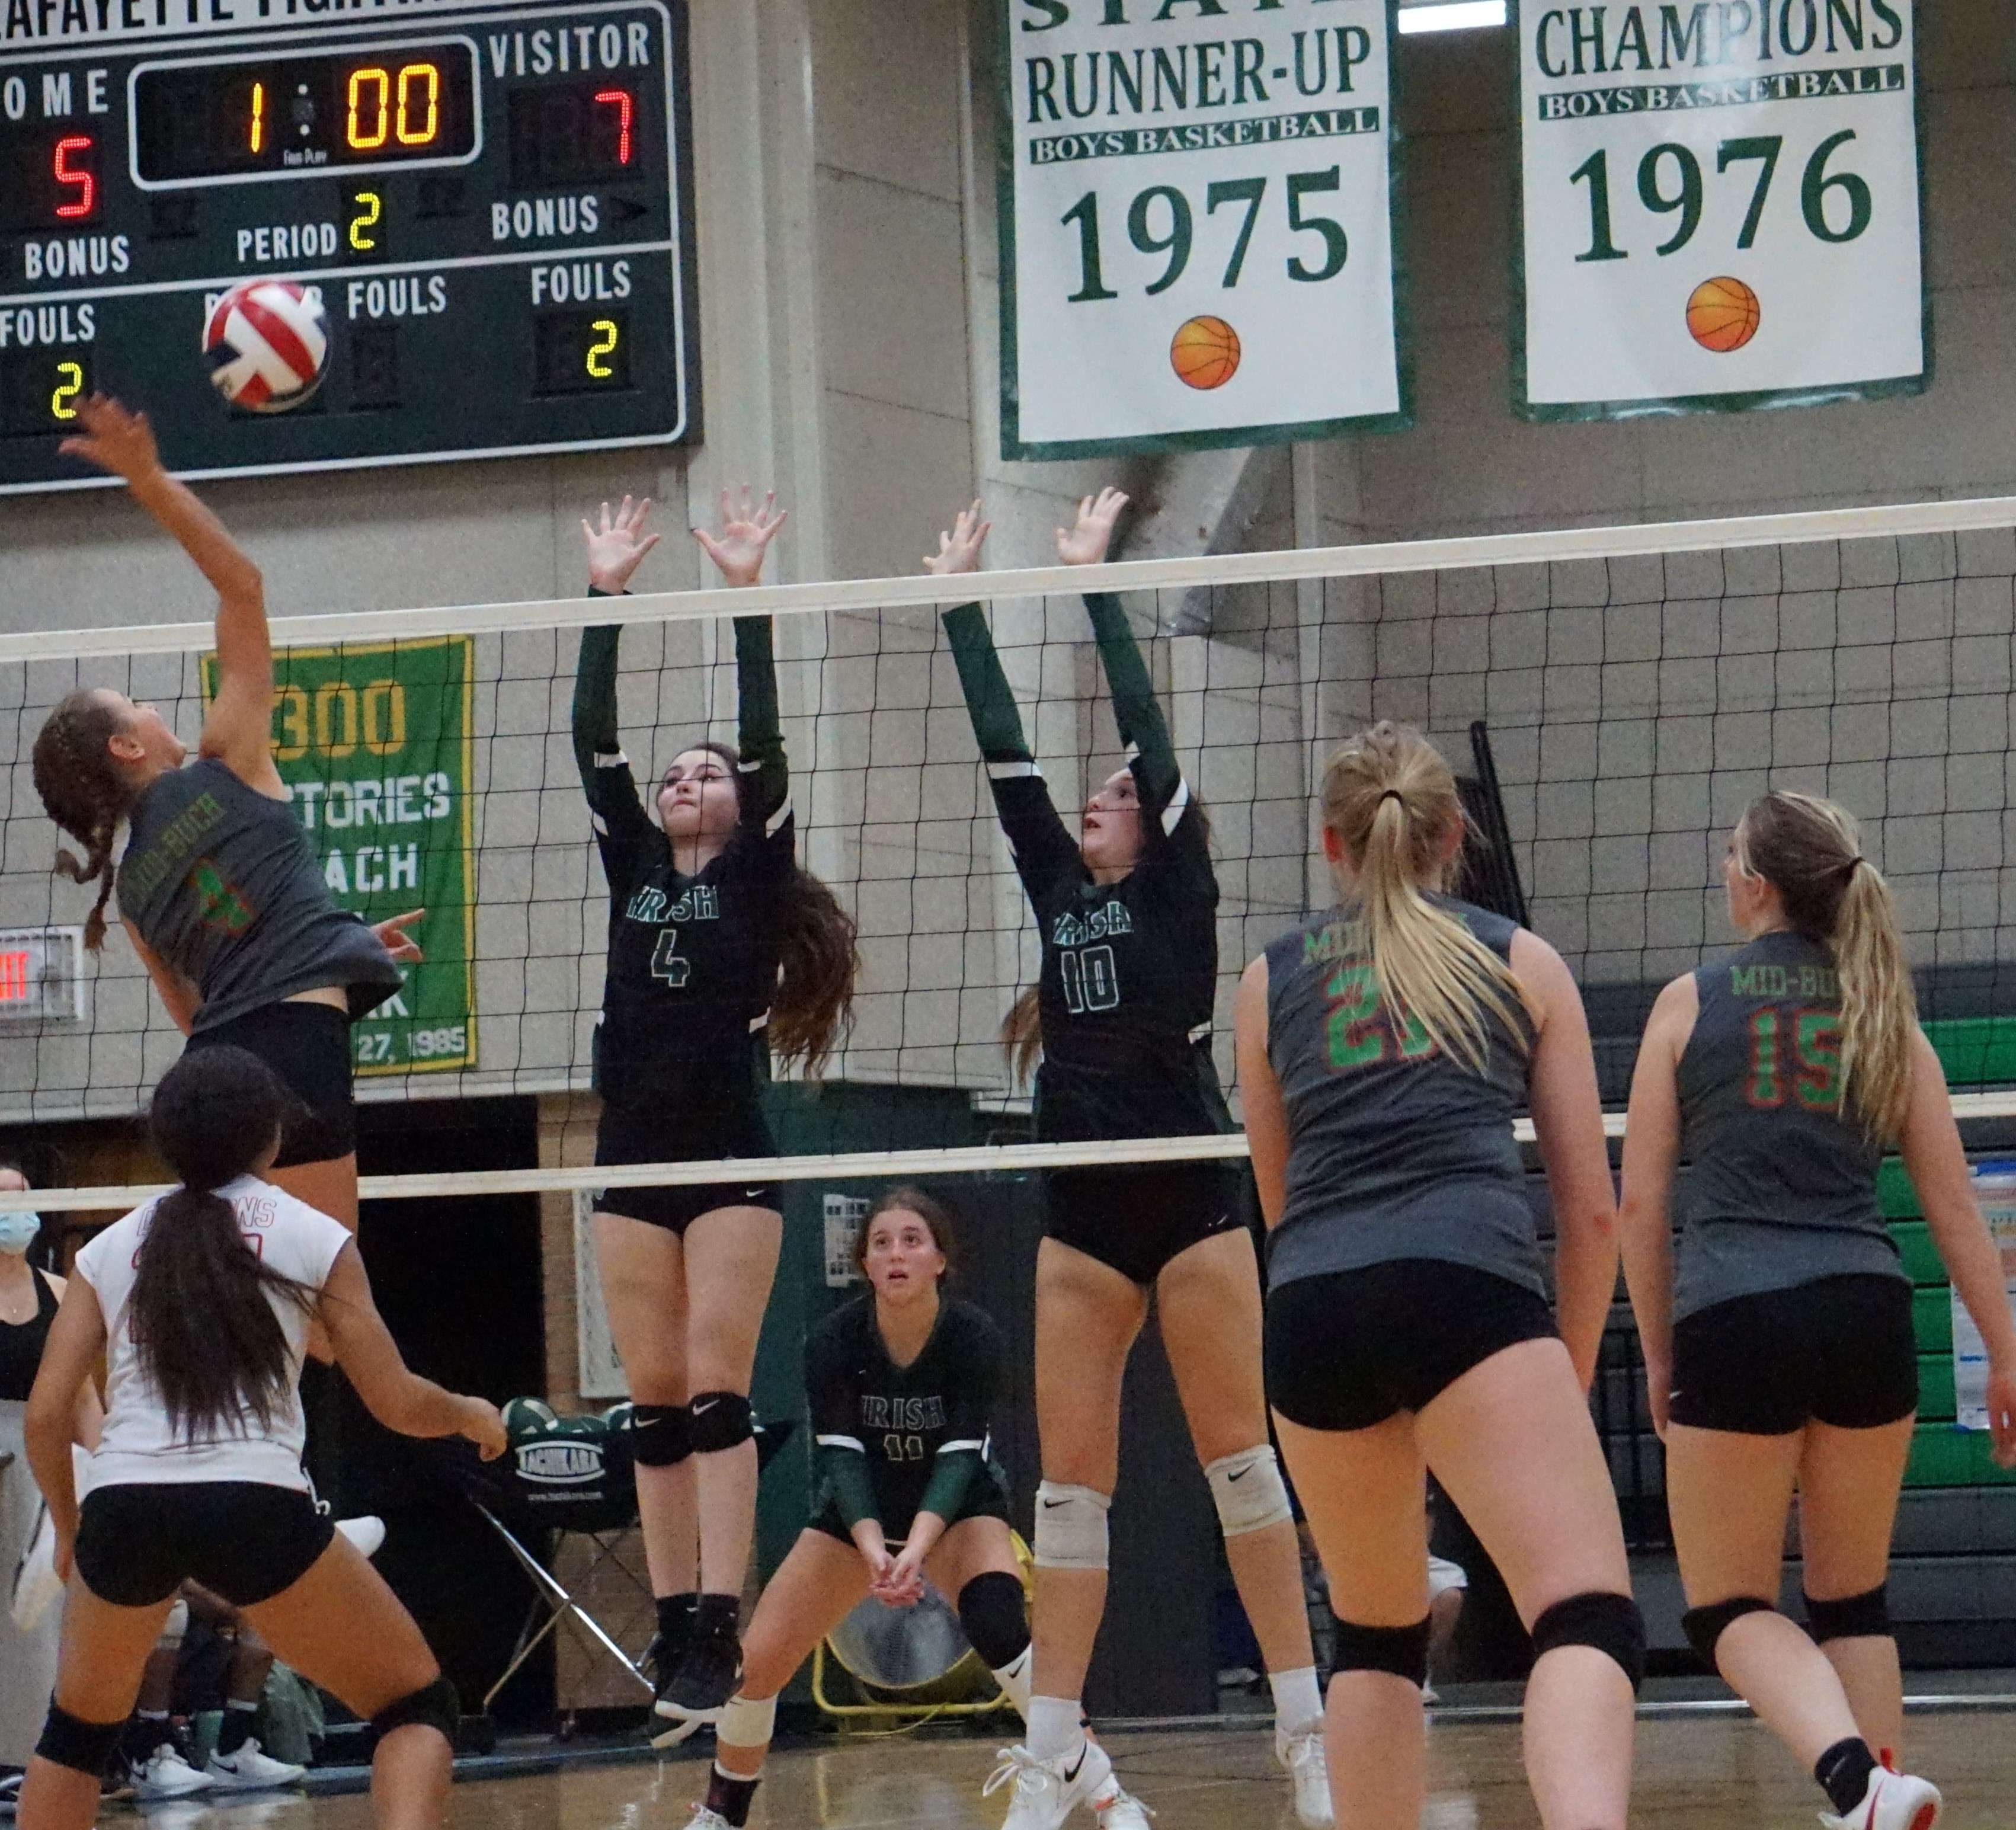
[617,547]
[746,531]
[1084,543]
[960,550]
[114,437]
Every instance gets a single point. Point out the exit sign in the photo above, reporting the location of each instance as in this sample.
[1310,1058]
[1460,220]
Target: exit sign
[41,975]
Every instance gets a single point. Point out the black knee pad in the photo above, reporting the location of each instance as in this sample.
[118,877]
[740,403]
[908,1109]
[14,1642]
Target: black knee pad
[1704,1626]
[661,1434]
[1863,1616]
[991,1610]
[1610,1622]
[436,1706]
[1403,1651]
[84,1747]
[718,1419]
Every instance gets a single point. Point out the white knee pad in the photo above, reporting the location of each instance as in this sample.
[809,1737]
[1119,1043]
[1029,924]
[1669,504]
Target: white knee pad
[1248,1491]
[174,1629]
[747,1723]
[1070,1527]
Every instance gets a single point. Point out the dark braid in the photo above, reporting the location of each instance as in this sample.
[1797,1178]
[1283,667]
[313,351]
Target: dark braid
[84,793]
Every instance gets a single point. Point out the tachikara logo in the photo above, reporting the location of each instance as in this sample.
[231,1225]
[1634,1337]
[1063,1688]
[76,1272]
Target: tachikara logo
[560,1464]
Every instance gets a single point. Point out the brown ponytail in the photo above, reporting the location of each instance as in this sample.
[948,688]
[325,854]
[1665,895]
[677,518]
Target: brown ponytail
[813,1008]
[83,791]
[1392,801]
[1810,852]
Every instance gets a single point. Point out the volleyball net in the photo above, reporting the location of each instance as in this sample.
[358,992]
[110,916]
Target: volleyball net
[1613,698]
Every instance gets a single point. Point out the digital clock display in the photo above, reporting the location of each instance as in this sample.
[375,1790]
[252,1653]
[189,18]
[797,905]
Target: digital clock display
[490,202]
[392,105]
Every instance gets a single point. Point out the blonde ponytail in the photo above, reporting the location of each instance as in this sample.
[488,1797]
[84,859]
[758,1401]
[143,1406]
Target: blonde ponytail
[1022,1034]
[1810,852]
[1392,801]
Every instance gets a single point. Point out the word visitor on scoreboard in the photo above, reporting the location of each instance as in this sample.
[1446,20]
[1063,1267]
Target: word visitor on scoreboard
[1197,236]
[1722,206]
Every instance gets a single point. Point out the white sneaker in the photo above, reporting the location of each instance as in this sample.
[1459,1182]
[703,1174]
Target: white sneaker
[1301,1756]
[164,1774]
[249,1770]
[1120,1809]
[704,1819]
[1894,1801]
[1046,1791]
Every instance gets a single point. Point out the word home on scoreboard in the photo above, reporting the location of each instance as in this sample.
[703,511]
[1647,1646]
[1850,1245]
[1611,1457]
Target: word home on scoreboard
[491,205]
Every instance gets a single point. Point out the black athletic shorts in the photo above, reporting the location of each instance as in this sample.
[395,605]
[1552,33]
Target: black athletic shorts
[1838,1351]
[1351,1349]
[646,1133]
[245,1540]
[308,1046]
[1136,1217]
[986,1497]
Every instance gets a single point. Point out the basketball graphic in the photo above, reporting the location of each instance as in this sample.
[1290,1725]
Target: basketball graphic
[267,343]
[1204,352]
[1723,314]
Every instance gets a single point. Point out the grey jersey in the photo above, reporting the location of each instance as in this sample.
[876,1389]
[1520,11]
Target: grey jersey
[1780,1186]
[1396,1149]
[222,885]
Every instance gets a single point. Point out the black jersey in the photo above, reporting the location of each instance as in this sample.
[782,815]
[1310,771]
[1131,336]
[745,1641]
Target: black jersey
[1781,1184]
[903,1419]
[1130,969]
[692,962]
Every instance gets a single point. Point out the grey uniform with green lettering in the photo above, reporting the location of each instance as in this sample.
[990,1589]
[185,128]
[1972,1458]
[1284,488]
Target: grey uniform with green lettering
[222,885]
[1781,1185]
[1396,1149]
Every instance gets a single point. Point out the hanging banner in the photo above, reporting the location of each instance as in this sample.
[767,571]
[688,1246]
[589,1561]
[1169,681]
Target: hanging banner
[1196,202]
[374,743]
[1721,207]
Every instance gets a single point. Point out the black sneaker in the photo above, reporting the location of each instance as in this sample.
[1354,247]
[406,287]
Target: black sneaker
[706,1678]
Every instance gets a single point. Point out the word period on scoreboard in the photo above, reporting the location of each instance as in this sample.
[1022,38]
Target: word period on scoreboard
[491,203]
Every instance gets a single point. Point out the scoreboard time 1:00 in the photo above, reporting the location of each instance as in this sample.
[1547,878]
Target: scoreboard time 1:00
[491,204]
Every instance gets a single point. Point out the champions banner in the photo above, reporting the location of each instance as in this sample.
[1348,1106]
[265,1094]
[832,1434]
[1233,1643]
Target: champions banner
[1196,241]
[1721,206]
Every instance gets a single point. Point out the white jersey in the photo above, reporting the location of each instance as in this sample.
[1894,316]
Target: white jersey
[139,1445]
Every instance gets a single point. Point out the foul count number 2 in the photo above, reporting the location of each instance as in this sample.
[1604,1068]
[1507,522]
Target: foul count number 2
[1165,201]
[1762,149]
[70,384]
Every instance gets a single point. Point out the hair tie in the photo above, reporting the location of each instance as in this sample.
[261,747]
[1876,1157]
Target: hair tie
[1858,859]
[1393,795]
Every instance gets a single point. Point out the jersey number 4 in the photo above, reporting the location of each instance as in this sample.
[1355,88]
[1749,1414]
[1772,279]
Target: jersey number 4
[1814,1069]
[666,961]
[1092,980]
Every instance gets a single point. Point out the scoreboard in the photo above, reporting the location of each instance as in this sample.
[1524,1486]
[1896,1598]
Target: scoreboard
[492,204]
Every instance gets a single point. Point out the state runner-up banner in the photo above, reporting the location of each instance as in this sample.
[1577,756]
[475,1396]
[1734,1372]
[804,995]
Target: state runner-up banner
[373,741]
[1721,207]
[1196,199]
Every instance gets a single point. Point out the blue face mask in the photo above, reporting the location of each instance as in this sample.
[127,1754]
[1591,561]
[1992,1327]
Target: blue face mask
[18,1231]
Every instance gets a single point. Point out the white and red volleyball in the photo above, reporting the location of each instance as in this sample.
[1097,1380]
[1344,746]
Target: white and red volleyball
[266,343]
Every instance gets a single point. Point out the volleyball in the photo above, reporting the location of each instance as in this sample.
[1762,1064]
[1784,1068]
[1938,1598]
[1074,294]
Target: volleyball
[525,1417]
[1723,314]
[1204,352]
[266,343]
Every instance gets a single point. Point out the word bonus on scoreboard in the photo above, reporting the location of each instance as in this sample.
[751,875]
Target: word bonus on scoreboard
[492,204]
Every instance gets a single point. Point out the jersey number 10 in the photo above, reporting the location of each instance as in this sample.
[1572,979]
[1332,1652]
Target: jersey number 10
[1091,980]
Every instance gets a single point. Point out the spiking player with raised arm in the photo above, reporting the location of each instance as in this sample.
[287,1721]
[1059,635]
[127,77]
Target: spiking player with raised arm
[722,954]
[1128,916]
[221,894]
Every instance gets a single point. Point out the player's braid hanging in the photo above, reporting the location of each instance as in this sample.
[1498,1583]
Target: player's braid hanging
[81,786]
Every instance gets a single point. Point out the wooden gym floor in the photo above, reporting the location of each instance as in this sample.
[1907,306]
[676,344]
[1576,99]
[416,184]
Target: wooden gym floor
[1695,1772]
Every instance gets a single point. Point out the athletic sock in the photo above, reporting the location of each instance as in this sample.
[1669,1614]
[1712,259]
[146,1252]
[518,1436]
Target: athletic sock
[1298,1703]
[716,1616]
[1843,1771]
[148,1730]
[729,1796]
[675,1614]
[236,1728]
[1054,1726]
[1014,1678]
